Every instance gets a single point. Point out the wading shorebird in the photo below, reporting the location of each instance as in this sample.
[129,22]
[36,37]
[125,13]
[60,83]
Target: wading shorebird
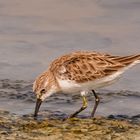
[81,72]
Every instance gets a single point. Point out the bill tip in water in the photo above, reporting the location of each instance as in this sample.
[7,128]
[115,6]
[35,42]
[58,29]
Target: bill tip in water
[35,115]
[38,103]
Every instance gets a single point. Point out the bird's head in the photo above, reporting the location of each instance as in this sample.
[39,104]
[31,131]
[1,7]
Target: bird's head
[43,87]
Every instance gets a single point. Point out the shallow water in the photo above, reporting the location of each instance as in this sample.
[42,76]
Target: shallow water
[17,97]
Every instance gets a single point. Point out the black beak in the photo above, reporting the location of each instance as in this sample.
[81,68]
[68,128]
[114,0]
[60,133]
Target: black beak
[38,103]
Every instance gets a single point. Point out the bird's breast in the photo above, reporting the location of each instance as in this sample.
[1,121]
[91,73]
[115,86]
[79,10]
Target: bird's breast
[68,86]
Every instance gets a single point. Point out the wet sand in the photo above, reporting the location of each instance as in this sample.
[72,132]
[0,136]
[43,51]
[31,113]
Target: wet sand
[33,33]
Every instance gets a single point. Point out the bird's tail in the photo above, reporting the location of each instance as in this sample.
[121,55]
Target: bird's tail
[127,60]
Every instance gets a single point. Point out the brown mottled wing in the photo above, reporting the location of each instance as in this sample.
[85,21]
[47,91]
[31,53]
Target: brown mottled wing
[88,67]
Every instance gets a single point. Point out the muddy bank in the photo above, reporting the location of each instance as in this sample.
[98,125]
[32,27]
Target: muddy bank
[13,127]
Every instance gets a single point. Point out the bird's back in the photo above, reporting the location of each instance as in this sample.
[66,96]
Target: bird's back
[89,66]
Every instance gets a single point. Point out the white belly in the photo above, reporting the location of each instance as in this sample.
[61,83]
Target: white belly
[68,86]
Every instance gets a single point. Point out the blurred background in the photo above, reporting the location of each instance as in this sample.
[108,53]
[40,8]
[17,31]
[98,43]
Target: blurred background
[35,32]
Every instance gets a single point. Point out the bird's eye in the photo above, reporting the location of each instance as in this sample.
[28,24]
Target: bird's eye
[43,91]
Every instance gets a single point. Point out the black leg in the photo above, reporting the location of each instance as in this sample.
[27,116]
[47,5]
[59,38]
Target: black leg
[97,100]
[84,106]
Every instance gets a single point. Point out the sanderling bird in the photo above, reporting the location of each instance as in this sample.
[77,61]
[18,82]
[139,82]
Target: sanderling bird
[81,72]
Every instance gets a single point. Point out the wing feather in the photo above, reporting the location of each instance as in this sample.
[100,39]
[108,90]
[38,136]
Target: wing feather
[83,67]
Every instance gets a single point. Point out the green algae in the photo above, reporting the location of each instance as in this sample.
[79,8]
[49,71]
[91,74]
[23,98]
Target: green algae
[14,127]
[81,128]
